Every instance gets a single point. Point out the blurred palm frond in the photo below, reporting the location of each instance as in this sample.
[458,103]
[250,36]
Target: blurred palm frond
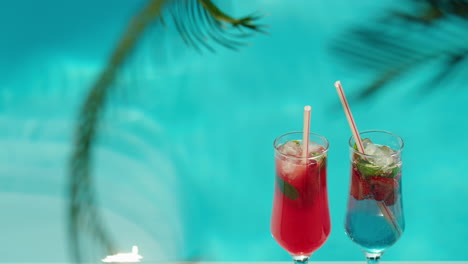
[199,22]
[204,22]
[405,38]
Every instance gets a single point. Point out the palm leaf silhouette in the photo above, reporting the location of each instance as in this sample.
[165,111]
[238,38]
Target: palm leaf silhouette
[200,24]
[426,31]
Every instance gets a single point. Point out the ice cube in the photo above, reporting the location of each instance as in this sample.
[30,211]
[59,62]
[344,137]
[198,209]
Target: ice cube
[314,147]
[366,142]
[382,155]
[292,148]
[370,148]
[386,150]
[291,168]
[382,161]
[288,167]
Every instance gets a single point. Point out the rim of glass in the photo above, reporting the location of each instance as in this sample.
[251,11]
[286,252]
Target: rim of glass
[276,145]
[397,152]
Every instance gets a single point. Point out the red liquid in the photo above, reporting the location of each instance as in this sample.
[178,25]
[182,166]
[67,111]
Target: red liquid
[302,225]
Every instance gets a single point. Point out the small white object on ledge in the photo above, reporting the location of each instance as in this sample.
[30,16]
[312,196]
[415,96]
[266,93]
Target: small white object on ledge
[124,257]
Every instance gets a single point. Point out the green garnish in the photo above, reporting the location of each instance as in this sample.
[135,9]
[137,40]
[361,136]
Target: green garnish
[322,161]
[318,156]
[297,142]
[367,169]
[395,171]
[287,189]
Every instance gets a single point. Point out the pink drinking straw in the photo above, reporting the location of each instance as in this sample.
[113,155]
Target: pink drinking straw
[386,212]
[305,131]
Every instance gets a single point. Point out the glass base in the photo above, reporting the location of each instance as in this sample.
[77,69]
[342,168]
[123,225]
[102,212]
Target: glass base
[373,258]
[300,259]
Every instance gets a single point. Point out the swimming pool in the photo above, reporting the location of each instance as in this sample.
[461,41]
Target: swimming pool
[184,163]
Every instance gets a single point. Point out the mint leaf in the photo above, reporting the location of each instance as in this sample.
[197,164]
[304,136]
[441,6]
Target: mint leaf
[297,142]
[322,162]
[395,171]
[287,189]
[367,169]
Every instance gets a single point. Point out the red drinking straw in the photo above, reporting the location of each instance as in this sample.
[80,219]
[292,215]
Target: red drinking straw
[386,212]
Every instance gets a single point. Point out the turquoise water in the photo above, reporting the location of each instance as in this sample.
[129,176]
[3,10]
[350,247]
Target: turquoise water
[366,226]
[366,231]
[184,166]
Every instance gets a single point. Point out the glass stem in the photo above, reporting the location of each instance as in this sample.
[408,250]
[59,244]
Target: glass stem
[301,259]
[373,258]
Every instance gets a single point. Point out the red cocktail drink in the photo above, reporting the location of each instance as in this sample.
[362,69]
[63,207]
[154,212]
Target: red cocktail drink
[300,220]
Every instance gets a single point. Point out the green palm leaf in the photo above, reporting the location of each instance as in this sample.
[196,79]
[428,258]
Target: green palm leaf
[200,24]
[426,31]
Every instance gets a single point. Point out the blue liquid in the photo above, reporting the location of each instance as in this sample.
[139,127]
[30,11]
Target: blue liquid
[367,227]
